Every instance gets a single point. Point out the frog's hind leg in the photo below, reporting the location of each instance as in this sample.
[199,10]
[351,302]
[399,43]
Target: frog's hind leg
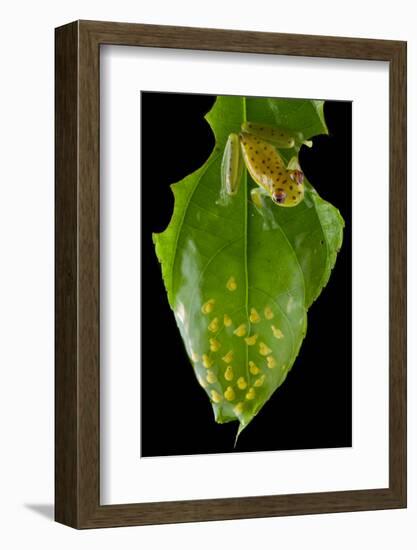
[231,169]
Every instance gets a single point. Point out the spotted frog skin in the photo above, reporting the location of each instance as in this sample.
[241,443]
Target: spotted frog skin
[258,145]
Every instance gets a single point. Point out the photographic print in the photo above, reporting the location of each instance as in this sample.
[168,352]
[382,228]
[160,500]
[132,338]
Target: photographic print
[217,357]
[246,274]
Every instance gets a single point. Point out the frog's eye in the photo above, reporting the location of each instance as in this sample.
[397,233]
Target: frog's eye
[231,170]
[279,196]
[283,139]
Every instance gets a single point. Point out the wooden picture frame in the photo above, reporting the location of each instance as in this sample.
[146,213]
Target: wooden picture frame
[77,371]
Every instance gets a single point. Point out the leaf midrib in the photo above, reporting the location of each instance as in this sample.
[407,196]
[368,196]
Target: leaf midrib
[292,251]
[245,249]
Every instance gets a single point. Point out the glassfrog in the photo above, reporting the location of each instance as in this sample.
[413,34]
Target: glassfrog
[258,144]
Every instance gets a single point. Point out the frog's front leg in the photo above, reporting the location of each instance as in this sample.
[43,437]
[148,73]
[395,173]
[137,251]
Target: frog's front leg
[258,195]
[295,172]
[231,169]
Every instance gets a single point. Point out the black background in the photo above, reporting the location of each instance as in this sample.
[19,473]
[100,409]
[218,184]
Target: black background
[312,409]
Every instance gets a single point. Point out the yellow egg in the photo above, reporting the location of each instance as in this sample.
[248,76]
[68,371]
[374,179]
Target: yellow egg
[229,393]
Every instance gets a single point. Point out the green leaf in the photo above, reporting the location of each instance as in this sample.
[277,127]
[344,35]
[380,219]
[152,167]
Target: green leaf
[240,280]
